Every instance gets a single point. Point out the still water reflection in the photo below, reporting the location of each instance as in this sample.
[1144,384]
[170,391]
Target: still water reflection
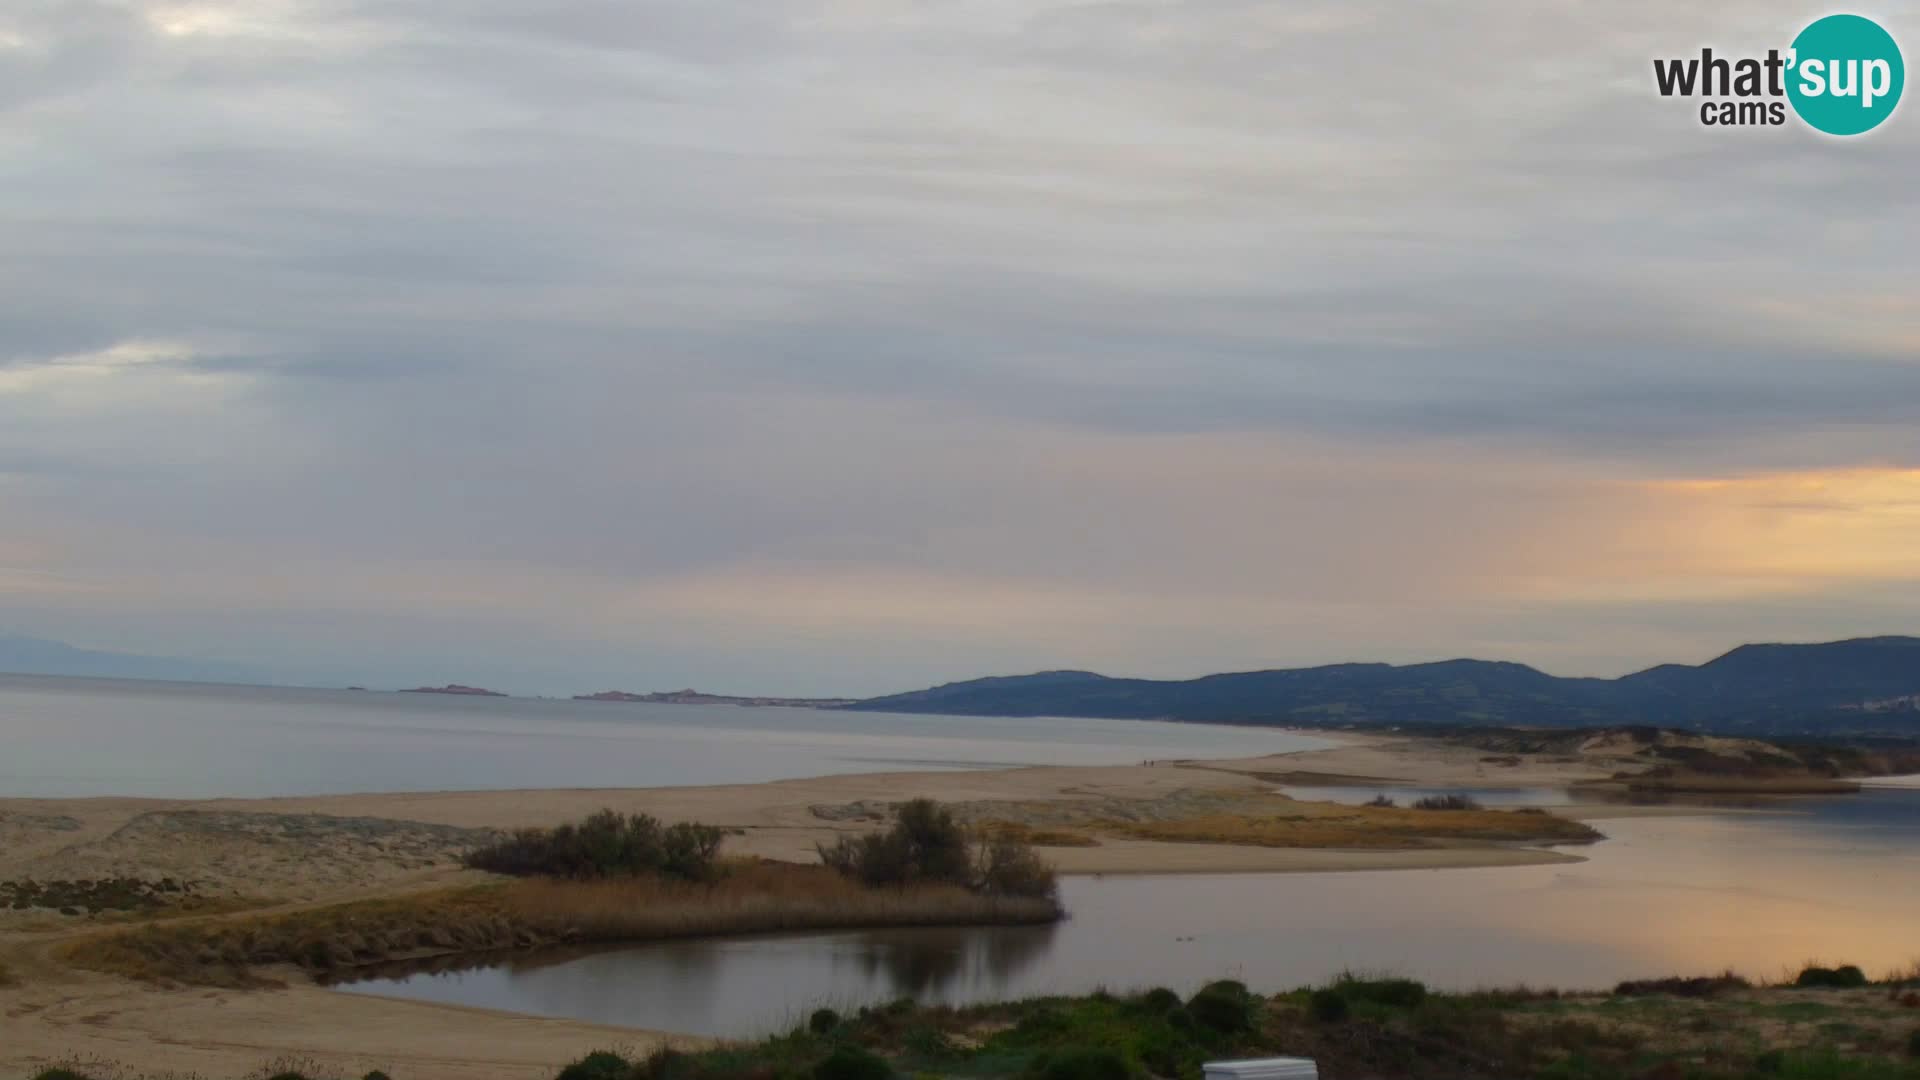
[1760,892]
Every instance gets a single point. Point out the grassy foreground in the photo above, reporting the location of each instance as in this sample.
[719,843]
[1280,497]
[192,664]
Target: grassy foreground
[331,941]
[1716,1028]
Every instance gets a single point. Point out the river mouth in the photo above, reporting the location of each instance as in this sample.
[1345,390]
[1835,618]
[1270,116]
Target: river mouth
[1760,892]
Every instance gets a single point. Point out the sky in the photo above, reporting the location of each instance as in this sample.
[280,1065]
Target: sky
[849,346]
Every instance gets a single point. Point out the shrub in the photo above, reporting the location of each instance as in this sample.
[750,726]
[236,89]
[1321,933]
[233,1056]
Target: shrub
[1447,802]
[852,1063]
[1382,801]
[1043,1023]
[1083,1063]
[665,1063]
[1328,1006]
[1166,1053]
[1225,1007]
[1160,1000]
[927,1042]
[1394,993]
[1913,1044]
[1697,987]
[689,850]
[1845,977]
[927,846]
[376,1074]
[1010,868]
[606,844]
[599,1065]
[823,1021]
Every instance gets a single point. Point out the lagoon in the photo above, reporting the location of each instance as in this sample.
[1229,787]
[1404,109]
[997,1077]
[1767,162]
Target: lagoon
[1761,892]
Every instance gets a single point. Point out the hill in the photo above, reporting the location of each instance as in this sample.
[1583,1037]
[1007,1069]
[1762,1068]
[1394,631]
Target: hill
[38,656]
[1856,687]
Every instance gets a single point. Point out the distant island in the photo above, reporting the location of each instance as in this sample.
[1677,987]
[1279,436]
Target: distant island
[456,689]
[696,697]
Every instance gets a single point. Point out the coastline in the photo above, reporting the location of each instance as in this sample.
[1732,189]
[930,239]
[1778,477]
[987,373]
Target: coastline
[57,1014]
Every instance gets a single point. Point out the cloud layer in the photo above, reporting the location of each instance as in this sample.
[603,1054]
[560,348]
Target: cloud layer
[845,345]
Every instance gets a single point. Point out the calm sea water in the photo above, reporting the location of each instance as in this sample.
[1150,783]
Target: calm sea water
[1760,892]
[112,737]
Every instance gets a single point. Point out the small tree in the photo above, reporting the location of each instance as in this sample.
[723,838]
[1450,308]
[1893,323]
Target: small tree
[1010,868]
[927,846]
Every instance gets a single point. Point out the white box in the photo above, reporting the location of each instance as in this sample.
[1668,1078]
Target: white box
[1284,1068]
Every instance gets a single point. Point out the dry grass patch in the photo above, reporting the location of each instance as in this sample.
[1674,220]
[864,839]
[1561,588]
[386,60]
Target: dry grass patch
[1708,784]
[1022,833]
[1326,825]
[328,941]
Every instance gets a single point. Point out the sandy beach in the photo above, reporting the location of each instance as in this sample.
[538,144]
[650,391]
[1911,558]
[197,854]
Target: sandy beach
[283,853]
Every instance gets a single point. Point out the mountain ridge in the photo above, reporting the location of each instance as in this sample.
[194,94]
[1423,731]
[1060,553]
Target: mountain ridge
[1772,687]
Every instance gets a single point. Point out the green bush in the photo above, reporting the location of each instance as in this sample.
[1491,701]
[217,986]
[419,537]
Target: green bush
[606,844]
[1393,993]
[1845,977]
[927,1043]
[1010,868]
[852,1063]
[1166,1053]
[1697,987]
[823,1021]
[1328,1006]
[1160,1000]
[1043,1023]
[1083,1063]
[1222,1006]
[665,1063]
[599,1065]
[927,846]
[1913,1045]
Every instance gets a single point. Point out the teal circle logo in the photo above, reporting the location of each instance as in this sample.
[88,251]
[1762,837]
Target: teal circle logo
[1846,74]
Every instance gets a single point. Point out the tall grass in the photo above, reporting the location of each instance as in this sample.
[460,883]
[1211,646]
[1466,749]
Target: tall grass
[762,898]
[332,940]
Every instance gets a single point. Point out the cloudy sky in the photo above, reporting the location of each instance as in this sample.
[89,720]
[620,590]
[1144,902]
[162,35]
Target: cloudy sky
[845,346]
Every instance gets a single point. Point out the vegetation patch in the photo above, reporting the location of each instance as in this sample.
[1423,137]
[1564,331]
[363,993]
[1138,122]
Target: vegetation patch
[1448,802]
[90,896]
[1844,977]
[1353,1028]
[1022,833]
[928,846]
[1385,1028]
[1310,825]
[607,844]
[1693,987]
[333,942]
